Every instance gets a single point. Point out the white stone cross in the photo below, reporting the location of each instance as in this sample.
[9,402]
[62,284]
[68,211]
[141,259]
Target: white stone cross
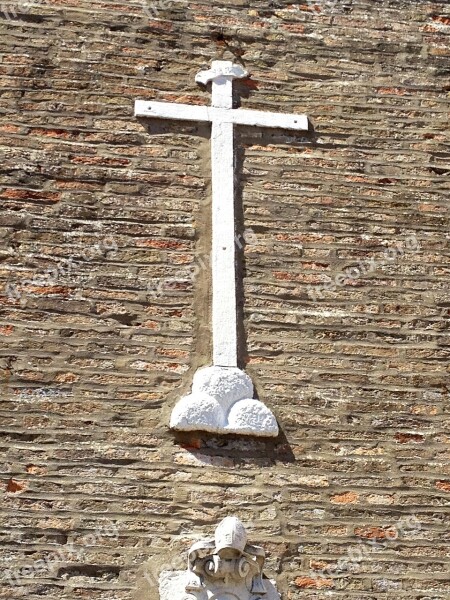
[222,395]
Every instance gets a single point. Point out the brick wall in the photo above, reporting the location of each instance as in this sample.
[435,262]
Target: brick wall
[104,299]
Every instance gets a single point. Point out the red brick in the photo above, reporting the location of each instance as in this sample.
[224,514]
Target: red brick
[15,487]
[314,583]
[345,498]
[443,485]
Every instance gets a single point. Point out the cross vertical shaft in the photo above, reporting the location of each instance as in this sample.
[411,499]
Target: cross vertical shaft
[224,309]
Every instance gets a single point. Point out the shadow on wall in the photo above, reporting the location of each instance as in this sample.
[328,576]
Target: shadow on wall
[231,450]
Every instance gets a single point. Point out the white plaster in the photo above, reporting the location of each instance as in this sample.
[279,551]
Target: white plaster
[221,68]
[237,116]
[225,384]
[172,585]
[252,417]
[224,297]
[221,74]
[221,402]
[197,411]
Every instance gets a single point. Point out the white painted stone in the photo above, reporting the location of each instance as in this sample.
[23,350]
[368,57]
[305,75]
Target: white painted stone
[237,116]
[251,417]
[224,296]
[222,74]
[198,411]
[226,384]
[222,568]
[220,403]
[221,68]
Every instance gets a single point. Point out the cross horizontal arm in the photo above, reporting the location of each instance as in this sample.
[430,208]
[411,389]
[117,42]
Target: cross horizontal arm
[238,116]
[171,110]
[260,118]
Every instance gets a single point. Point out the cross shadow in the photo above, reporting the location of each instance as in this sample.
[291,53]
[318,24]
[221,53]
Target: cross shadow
[244,137]
[154,127]
[277,449]
[234,450]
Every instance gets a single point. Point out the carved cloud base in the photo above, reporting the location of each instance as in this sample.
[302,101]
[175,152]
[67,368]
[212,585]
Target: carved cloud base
[222,402]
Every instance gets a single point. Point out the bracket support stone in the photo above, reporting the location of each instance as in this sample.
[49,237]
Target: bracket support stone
[225,567]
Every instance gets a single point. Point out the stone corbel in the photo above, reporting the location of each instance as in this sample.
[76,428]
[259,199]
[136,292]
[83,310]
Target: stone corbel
[225,567]
[222,402]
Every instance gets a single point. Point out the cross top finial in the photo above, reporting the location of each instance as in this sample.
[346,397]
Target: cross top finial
[221,68]
[221,73]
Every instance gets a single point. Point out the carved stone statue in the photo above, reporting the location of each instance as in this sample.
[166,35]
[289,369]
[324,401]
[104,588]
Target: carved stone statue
[225,567]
